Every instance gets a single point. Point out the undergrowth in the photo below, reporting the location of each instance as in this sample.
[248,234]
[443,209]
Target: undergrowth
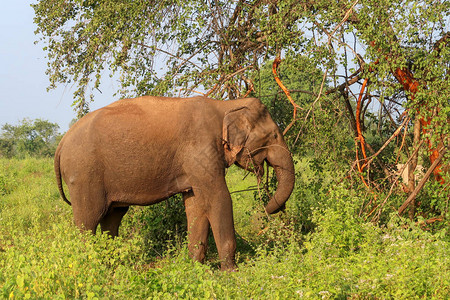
[43,255]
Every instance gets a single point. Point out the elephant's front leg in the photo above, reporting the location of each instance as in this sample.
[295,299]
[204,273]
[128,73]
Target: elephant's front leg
[220,216]
[198,227]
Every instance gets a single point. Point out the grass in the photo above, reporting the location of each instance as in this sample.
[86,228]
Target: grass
[42,254]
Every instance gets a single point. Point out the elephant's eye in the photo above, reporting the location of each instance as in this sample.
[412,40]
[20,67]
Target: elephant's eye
[275,135]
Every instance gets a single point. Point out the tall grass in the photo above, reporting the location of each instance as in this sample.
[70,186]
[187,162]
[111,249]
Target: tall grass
[43,255]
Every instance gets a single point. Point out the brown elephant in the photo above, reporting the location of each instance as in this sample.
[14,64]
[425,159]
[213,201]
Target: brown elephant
[144,150]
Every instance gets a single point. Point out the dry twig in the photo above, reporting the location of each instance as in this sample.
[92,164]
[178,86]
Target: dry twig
[380,207]
[422,182]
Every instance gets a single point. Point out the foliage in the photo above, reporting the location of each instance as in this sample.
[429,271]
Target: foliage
[322,126]
[225,42]
[362,67]
[141,31]
[297,73]
[148,224]
[29,138]
[43,255]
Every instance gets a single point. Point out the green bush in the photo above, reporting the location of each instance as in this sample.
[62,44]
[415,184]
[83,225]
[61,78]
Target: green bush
[162,225]
[43,255]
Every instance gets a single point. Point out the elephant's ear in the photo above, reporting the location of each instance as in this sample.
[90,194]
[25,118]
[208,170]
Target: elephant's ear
[235,131]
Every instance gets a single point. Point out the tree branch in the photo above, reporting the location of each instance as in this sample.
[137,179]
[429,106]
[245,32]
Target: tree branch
[275,64]
[422,182]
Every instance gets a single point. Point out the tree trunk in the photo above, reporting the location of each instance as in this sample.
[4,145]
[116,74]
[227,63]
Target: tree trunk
[411,168]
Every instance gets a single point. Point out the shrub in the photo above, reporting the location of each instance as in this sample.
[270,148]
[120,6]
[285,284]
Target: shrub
[162,225]
[43,254]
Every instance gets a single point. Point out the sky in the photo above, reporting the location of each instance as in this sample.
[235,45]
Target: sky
[23,83]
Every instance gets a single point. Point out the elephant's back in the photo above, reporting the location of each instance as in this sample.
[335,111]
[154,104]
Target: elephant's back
[126,127]
[143,123]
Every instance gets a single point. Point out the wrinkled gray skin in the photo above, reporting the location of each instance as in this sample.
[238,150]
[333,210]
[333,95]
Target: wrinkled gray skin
[141,151]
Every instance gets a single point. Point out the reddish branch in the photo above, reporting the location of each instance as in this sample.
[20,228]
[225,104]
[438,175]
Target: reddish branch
[275,64]
[358,127]
[405,77]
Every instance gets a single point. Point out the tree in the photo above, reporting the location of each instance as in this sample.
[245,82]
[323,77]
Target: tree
[322,130]
[29,138]
[393,53]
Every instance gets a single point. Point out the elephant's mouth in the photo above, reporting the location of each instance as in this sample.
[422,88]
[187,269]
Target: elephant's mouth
[252,166]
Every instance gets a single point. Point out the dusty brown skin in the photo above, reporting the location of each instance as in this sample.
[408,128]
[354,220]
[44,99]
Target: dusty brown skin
[141,151]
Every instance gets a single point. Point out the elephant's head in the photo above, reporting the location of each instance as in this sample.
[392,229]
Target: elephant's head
[252,137]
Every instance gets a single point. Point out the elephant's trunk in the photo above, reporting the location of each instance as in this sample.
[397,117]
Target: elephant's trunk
[280,159]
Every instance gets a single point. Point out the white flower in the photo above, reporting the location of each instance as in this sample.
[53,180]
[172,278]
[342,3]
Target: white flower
[325,294]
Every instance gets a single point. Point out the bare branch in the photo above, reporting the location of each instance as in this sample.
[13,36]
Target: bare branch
[422,182]
[396,133]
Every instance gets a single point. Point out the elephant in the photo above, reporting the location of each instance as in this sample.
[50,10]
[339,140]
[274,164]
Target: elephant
[141,151]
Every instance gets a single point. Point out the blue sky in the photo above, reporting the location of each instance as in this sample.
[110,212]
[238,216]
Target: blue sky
[23,83]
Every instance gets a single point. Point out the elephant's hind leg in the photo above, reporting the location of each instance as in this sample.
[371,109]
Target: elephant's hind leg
[86,218]
[88,205]
[111,221]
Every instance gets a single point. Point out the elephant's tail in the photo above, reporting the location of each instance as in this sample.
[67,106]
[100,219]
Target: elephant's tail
[58,174]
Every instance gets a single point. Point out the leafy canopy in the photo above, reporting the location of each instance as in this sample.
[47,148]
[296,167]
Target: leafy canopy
[224,49]
[216,46]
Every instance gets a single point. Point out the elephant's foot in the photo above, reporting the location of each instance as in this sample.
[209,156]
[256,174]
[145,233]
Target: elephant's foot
[228,265]
[198,252]
[227,256]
